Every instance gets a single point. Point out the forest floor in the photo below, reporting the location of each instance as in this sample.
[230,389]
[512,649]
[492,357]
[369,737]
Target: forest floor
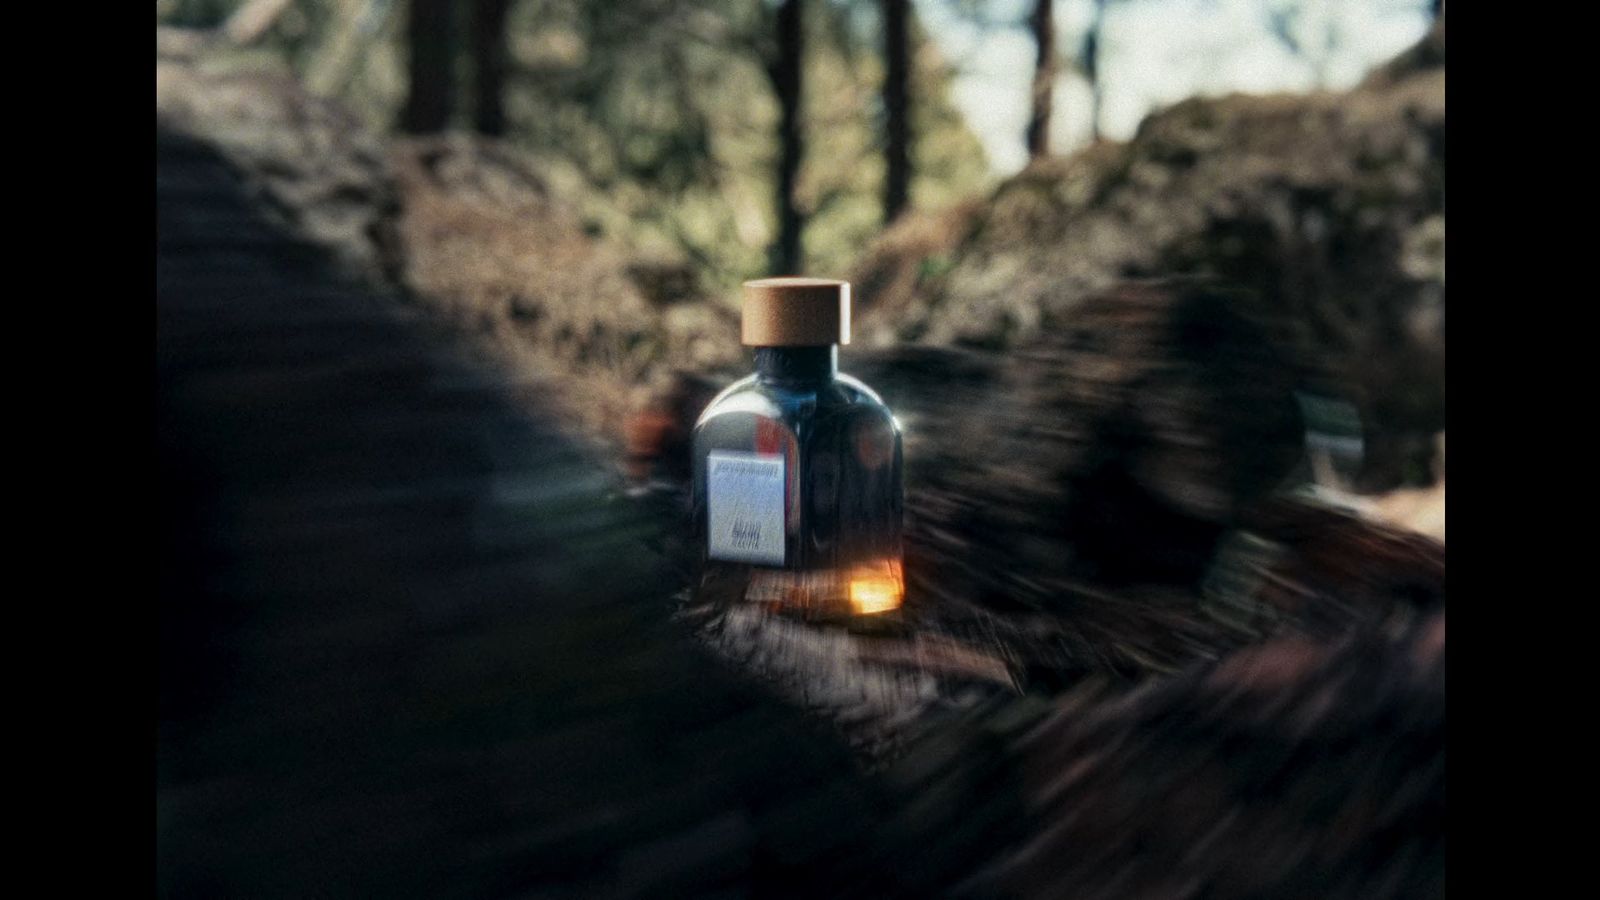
[416,640]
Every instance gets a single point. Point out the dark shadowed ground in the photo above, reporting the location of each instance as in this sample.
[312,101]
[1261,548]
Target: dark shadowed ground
[409,647]
[414,644]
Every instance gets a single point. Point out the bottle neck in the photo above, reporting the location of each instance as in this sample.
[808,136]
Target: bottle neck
[797,365]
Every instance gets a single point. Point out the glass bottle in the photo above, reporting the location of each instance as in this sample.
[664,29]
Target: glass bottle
[798,499]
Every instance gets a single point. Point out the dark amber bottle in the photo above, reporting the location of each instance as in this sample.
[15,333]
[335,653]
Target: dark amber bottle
[797,468]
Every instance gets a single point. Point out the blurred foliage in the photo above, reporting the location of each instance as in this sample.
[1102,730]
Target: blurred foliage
[193,13]
[657,119]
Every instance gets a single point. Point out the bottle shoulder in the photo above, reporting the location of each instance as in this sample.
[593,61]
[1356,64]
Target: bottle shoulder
[743,395]
[865,402]
[859,388]
[750,395]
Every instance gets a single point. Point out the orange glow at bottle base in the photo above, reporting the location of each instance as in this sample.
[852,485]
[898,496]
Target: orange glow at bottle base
[869,596]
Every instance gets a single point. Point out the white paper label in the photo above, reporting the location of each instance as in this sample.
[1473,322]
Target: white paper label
[744,499]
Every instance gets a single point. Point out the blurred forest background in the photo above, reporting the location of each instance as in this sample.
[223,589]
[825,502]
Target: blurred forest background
[664,119]
[660,121]
[588,183]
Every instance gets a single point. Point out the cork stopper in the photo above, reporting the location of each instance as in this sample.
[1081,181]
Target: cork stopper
[796,312]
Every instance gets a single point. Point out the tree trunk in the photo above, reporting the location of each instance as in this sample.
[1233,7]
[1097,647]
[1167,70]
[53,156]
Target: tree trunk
[1044,77]
[1091,67]
[431,68]
[489,61]
[897,106]
[788,255]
